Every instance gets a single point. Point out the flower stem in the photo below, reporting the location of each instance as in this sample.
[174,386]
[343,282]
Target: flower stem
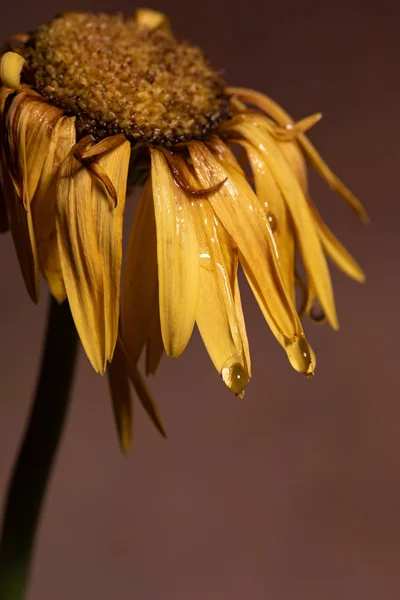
[37,453]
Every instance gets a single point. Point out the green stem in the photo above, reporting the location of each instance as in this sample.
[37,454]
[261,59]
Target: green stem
[37,453]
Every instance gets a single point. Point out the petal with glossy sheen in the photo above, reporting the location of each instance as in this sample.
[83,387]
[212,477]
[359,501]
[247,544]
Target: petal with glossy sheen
[231,262]
[19,217]
[294,157]
[44,206]
[118,379]
[177,256]
[307,237]
[336,251]
[139,294]
[281,116]
[272,200]
[242,215]
[108,222]
[216,311]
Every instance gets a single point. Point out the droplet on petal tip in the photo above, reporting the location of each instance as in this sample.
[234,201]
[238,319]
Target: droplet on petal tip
[235,377]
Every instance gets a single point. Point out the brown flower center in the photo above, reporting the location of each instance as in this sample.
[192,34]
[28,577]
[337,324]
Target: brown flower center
[117,76]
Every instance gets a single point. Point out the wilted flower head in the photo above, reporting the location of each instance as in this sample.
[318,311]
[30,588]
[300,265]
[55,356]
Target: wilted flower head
[91,102]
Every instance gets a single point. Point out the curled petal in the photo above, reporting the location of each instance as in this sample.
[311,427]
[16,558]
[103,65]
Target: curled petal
[177,256]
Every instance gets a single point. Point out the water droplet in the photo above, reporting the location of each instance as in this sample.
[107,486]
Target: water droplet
[317,313]
[235,376]
[300,355]
[272,221]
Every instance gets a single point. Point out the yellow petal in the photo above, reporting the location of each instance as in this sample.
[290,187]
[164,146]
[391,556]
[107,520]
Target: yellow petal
[216,311]
[30,123]
[10,70]
[294,157]
[223,152]
[177,256]
[306,233]
[272,200]
[281,116]
[118,379]
[140,300]
[231,258]
[19,217]
[144,394]
[44,205]
[80,257]
[336,251]
[109,225]
[155,346]
[242,215]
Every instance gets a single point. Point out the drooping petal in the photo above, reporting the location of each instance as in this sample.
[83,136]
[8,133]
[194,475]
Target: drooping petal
[19,216]
[242,215]
[44,205]
[336,251]
[307,237]
[80,257]
[154,346]
[231,257]
[177,256]
[223,152]
[216,310]
[139,293]
[294,157]
[108,225]
[89,235]
[30,123]
[144,394]
[119,383]
[277,213]
[281,116]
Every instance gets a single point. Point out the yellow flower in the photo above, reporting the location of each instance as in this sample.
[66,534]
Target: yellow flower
[88,102]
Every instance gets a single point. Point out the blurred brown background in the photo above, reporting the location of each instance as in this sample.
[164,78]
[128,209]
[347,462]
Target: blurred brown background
[294,492]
